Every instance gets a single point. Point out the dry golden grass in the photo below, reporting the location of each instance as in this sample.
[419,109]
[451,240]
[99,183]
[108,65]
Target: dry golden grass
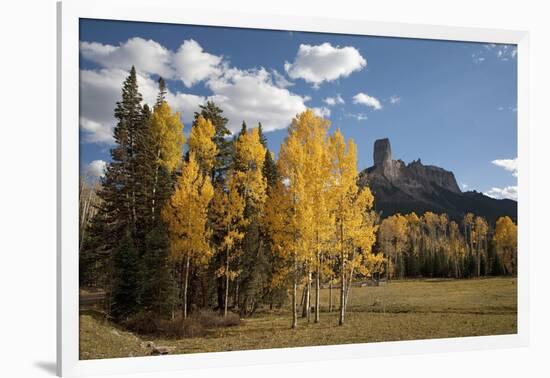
[402,310]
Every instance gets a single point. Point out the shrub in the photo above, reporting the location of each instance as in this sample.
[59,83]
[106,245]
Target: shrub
[177,328]
[211,319]
[143,323]
[195,325]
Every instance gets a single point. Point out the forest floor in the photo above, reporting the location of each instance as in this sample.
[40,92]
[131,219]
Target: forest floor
[401,310]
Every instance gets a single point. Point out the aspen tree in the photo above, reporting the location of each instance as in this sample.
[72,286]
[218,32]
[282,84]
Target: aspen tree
[214,114]
[350,209]
[201,144]
[414,238]
[185,215]
[468,222]
[392,237]
[288,212]
[249,157]
[228,216]
[457,247]
[311,132]
[506,243]
[481,228]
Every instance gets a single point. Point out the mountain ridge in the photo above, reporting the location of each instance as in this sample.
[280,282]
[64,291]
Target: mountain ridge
[404,188]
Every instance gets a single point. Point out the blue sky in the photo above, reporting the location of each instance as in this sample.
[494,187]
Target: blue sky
[452,104]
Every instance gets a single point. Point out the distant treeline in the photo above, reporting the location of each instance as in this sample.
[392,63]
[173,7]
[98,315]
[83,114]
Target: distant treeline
[224,226]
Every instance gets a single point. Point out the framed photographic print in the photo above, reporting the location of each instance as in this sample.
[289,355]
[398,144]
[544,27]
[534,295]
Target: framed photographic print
[238,188]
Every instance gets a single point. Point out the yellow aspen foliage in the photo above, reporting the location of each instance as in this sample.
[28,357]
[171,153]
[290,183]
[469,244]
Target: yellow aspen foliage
[310,131]
[373,263]
[185,215]
[480,233]
[457,247]
[414,235]
[202,145]
[468,223]
[289,214]
[431,223]
[354,228]
[392,237]
[167,131]
[249,162]
[280,220]
[506,243]
[227,209]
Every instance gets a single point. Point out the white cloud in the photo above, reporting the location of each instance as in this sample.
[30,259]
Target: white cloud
[253,96]
[189,63]
[331,101]
[365,99]
[192,64]
[322,112]
[509,192]
[96,169]
[96,132]
[316,64]
[511,165]
[147,56]
[185,103]
[99,92]
[464,186]
[501,52]
[357,116]
[101,89]
[395,99]
[477,58]
[280,81]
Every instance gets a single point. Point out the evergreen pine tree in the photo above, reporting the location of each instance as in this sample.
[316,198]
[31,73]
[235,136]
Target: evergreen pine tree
[263,139]
[144,174]
[243,129]
[269,170]
[119,187]
[157,282]
[126,285]
[161,97]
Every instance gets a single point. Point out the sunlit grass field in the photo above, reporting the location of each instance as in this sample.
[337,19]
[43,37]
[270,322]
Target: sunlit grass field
[401,310]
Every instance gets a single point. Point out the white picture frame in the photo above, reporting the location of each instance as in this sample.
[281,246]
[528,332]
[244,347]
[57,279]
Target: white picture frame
[69,13]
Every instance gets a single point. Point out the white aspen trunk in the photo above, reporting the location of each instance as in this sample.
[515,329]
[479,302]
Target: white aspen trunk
[343,277]
[294,293]
[185,285]
[348,289]
[303,302]
[342,295]
[226,301]
[308,301]
[317,293]
[330,296]
[84,220]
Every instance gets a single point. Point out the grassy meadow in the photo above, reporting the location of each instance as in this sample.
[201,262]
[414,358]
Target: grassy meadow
[401,310]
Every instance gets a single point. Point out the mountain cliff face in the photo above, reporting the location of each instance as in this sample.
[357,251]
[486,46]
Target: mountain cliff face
[403,188]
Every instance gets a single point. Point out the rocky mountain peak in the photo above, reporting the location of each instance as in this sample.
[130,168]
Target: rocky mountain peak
[400,187]
[382,152]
